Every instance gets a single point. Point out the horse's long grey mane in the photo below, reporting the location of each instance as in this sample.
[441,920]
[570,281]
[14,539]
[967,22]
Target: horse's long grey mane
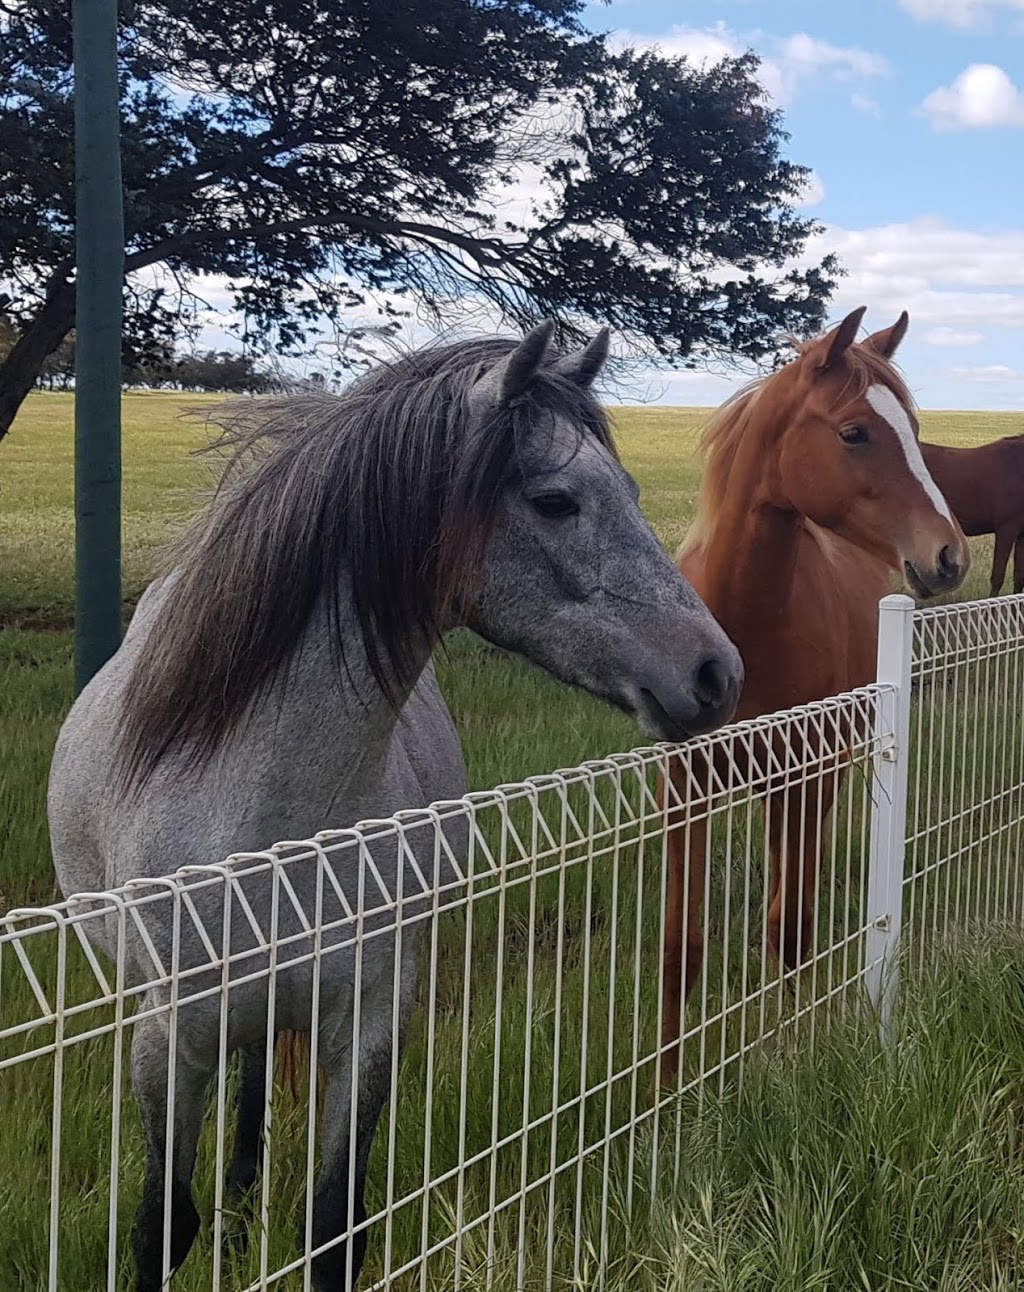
[391,486]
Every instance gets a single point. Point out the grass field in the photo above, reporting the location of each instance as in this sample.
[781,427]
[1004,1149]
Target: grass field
[775,1195]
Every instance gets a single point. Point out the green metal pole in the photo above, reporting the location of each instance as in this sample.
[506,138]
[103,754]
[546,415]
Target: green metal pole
[99,278]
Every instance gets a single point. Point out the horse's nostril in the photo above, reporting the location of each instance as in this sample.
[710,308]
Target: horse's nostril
[949,566]
[712,683]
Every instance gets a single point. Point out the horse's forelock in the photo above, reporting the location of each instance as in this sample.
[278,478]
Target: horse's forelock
[865,367]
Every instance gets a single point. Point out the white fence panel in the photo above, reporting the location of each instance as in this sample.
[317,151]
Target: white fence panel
[965,774]
[524,1124]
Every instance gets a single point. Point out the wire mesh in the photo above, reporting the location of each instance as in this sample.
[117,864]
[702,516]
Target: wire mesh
[501,1002]
[966,769]
[523,1116]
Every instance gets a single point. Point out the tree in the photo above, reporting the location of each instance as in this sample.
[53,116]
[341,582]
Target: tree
[57,371]
[221,370]
[8,338]
[154,366]
[314,154]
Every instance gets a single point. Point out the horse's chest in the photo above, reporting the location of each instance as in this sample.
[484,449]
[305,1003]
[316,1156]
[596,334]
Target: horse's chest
[797,659]
[791,676]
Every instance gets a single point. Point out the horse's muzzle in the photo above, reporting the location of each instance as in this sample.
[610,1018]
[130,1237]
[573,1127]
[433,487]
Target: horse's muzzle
[946,573]
[705,704]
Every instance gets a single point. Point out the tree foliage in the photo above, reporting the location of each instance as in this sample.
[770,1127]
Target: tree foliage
[331,158]
[220,370]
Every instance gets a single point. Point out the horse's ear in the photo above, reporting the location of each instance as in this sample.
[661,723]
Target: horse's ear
[511,377]
[827,352]
[887,341]
[584,367]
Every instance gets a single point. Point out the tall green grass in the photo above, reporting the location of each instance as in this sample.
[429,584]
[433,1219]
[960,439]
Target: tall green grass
[853,1167]
[849,1166]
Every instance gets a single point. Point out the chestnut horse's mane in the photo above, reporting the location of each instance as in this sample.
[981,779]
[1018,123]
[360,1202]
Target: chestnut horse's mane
[721,437]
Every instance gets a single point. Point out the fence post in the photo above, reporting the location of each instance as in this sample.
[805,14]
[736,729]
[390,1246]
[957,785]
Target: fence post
[884,912]
[99,251]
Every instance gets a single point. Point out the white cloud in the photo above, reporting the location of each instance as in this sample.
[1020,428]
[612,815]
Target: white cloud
[541,134]
[943,276]
[950,336]
[866,104]
[809,54]
[955,283]
[961,288]
[982,95]
[706,46]
[514,202]
[959,13]
[786,62]
[987,374]
[698,44]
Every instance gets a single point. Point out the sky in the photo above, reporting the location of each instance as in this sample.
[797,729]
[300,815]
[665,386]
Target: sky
[910,114]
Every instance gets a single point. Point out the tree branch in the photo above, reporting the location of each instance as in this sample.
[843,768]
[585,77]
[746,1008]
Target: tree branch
[485,251]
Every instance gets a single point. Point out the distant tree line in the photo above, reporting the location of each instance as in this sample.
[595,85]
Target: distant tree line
[157,369]
[219,370]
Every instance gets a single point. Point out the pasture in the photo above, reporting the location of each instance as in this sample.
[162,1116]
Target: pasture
[749,1215]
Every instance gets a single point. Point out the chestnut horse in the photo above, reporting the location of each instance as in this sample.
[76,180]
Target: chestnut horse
[814,494]
[985,490]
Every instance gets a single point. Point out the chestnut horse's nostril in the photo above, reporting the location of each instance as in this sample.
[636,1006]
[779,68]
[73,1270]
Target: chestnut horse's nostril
[711,686]
[949,566]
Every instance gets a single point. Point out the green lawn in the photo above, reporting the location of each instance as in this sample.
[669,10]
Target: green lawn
[776,1190]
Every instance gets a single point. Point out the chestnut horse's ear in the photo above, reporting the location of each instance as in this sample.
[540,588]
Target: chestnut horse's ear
[887,342]
[827,352]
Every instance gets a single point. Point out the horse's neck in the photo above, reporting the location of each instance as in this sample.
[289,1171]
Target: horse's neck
[751,555]
[321,721]
[322,688]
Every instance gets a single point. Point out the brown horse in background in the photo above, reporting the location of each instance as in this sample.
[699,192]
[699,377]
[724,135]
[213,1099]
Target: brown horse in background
[985,490]
[814,494]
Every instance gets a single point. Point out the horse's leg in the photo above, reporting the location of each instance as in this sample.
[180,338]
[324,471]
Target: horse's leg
[775,809]
[149,1081]
[687,862]
[332,1202]
[797,832]
[1018,563]
[245,1157]
[1005,538]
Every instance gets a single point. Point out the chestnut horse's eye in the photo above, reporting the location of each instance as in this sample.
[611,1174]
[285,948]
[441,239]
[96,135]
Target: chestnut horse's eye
[555,506]
[853,435]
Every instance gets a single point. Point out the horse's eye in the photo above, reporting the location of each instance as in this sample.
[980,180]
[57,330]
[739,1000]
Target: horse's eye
[853,435]
[555,506]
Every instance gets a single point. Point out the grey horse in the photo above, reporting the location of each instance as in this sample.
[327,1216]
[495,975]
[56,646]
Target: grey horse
[277,680]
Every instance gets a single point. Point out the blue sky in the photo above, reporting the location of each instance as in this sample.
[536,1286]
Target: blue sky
[911,115]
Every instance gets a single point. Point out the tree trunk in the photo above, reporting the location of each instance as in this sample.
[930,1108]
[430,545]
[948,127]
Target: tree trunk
[20,370]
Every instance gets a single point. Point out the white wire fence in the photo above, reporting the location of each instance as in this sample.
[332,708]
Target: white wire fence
[498,963]
[965,770]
